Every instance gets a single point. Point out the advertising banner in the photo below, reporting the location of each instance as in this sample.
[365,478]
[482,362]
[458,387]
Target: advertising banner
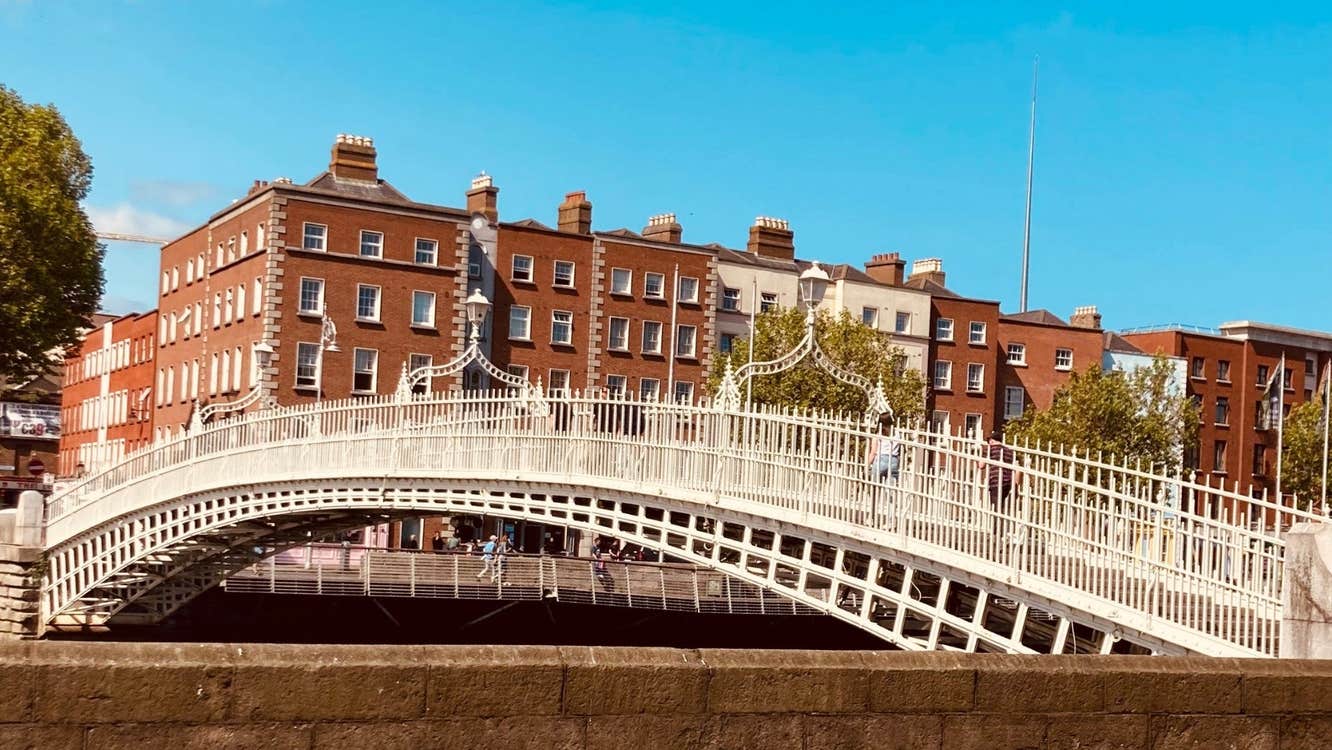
[29,421]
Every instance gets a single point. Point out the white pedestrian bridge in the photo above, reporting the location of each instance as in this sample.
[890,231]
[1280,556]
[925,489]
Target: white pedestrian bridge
[1080,556]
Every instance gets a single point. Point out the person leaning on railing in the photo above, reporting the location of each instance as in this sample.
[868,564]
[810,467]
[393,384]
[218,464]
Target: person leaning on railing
[885,452]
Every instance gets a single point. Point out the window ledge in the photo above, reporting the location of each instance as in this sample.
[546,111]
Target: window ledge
[364,393]
[623,349]
[689,357]
[1063,369]
[1219,381]
[656,297]
[562,343]
[976,343]
[424,326]
[1016,364]
[520,338]
[563,286]
[525,282]
[628,294]
[980,391]
[944,388]
[1199,378]
[375,321]
[305,388]
[308,314]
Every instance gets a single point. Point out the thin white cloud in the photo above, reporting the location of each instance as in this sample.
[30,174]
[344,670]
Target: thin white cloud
[172,193]
[116,304]
[126,219]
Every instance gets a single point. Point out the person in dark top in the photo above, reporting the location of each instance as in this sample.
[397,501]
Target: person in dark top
[437,542]
[1000,472]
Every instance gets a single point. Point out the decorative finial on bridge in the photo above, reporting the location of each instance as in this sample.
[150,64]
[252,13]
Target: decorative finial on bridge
[728,393]
[403,394]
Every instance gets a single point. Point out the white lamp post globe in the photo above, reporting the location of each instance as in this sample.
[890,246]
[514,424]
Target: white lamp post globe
[813,284]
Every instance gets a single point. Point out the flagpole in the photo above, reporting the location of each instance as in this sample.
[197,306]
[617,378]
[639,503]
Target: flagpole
[753,307]
[1281,420]
[1327,412]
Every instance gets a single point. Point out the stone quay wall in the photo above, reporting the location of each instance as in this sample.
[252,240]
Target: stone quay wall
[98,696]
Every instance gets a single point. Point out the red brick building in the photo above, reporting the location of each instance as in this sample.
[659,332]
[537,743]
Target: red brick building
[1228,371]
[1036,354]
[107,392]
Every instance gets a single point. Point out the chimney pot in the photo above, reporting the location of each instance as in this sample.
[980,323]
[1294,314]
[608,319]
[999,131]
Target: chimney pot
[483,197]
[1085,316]
[928,268]
[663,228]
[575,214]
[772,238]
[886,268]
[353,158]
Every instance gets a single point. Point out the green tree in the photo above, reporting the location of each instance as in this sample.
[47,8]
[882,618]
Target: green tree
[1302,453]
[1136,416]
[852,345]
[50,260]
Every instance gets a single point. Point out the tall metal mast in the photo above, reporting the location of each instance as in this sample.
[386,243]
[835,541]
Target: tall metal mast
[1031,160]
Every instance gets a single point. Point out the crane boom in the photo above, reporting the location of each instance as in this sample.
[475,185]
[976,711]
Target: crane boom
[118,237]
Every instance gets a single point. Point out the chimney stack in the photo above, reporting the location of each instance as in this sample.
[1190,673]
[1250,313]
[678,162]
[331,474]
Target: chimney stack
[483,198]
[1086,316]
[663,228]
[886,268]
[576,213]
[928,268]
[257,186]
[354,158]
[772,238]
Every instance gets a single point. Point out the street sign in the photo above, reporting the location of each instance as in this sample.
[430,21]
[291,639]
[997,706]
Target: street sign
[36,467]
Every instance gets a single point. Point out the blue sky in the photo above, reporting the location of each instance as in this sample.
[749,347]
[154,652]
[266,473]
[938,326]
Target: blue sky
[1184,153]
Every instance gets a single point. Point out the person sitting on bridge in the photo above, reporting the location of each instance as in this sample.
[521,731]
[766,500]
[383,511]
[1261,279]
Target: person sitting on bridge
[885,451]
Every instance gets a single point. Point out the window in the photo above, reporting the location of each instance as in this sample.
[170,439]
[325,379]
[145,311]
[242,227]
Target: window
[175,278]
[1258,415]
[943,375]
[1223,370]
[943,329]
[684,392]
[903,323]
[1063,359]
[423,309]
[416,362]
[973,425]
[194,379]
[976,334]
[315,237]
[1259,460]
[256,296]
[1286,379]
[1263,373]
[197,315]
[237,367]
[372,244]
[1015,400]
[616,384]
[558,382]
[564,273]
[1017,354]
[619,334]
[1219,457]
[522,268]
[226,370]
[245,244]
[1191,456]
[426,251]
[561,327]
[240,302]
[767,301]
[166,282]
[171,330]
[221,260]
[518,371]
[1222,411]
[259,237]
[365,367]
[1196,368]
[653,285]
[651,337]
[730,299]
[870,316]
[217,309]
[688,291]
[939,421]
[622,281]
[520,323]
[726,343]
[312,296]
[475,261]
[231,249]
[649,389]
[975,377]
[367,302]
[307,360]
[230,309]
[684,341]
[189,271]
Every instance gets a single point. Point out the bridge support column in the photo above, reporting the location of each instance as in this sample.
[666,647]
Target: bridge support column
[20,574]
[1306,593]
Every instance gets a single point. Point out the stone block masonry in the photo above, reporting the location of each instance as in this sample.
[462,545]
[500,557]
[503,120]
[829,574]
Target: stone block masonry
[102,696]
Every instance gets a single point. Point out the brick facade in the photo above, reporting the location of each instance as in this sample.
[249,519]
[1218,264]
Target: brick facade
[1036,354]
[106,393]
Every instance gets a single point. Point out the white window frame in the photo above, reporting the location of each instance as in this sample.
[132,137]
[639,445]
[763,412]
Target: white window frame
[617,384]
[943,380]
[870,316]
[257,296]
[1021,401]
[518,371]
[378,246]
[1020,350]
[550,381]
[692,297]
[680,338]
[972,331]
[731,299]
[555,323]
[300,297]
[898,326]
[649,389]
[658,326]
[556,274]
[611,343]
[240,302]
[687,397]
[768,301]
[1069,365]
[434,252]
[649,277]
[628,276]
[430,321]
[976,384]
[943,332]
[414,363]
[973,431]
[322,238]
[527,322]
[379,295]
[531,270]
[356,370]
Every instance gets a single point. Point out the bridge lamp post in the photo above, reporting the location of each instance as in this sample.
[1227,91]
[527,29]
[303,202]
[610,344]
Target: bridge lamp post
[813,285]
[328,342]
[263,357]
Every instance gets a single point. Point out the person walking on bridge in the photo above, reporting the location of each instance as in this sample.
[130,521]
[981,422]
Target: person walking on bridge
[488,558]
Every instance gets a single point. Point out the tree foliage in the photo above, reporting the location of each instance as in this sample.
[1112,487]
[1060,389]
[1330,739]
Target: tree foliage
[847,342]
[50,260]
[1302,453]
[1135,416]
